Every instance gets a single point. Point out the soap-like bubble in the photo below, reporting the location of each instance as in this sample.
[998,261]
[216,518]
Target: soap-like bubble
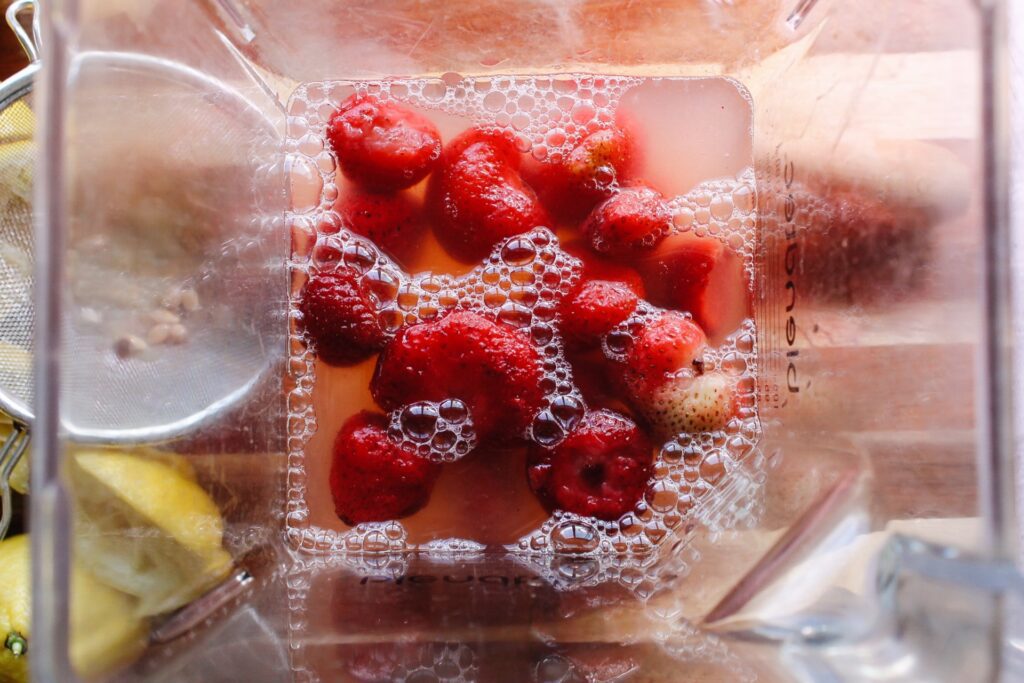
[707,479]
[440,431]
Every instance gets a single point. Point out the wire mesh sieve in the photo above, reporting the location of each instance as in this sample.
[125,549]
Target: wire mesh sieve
[17,320]
[168,304]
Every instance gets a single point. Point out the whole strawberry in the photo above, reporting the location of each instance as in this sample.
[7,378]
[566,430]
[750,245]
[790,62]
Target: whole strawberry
[665,379]
[599,267]
[632,221]
[382,146]
[478,198]
[600,469]
[701,276]
[340,318]
[665,347]
[593,310]
[493,369]
[392,221]
[586,175]
[373,479]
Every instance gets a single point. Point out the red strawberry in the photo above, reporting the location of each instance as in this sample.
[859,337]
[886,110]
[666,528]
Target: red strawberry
[699,275]
[597,267]
[571,186]
[373,479]
[495,370]
[665,347]
[703,403]
[382,146]
[339,317]
[599,470]
[633,220]
[391,221]
[593,310]
[478,198]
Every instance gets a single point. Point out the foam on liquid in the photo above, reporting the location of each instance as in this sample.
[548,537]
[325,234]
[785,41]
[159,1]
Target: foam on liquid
[518,285]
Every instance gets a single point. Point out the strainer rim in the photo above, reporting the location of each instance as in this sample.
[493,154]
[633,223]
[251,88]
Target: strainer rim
[18,86]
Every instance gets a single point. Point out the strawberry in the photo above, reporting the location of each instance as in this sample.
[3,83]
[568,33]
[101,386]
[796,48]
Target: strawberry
[691,404]
[373,479]
[586,175]
[666,346]
[382,146]
[478,198]
[632,221]
[701,276]
[391,221]
[593,310]
[494,369]
[339,317]
[597,267]
[599,470]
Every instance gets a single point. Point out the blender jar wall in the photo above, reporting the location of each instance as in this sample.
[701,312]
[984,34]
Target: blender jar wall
[869,169]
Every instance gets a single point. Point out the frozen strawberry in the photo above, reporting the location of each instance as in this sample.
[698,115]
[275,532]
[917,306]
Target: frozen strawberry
[494,369]
[587,174]
[339,317]
[392,221]
[599,470]
[597,267]
[382,146]
[374,479]
[478,198]
[701,276]
[665,347]
[632,221]
[704,403]
[593,310]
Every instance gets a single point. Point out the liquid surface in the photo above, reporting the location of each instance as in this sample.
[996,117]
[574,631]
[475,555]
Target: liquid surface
[695,146]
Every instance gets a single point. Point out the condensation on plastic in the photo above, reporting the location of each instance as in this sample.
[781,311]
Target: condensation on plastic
[868,160]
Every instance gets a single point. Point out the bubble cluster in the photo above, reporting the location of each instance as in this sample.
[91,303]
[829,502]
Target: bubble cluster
[547,115]
[619,340]
[725,208]
[441,431]
[438,663]
[709,478]
[691,471]
[519,285]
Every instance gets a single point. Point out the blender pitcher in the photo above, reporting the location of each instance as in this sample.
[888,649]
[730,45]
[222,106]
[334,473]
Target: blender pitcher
[852,520]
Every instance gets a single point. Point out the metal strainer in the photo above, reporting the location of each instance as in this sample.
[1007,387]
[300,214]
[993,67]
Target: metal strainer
[17,321]
[171,316]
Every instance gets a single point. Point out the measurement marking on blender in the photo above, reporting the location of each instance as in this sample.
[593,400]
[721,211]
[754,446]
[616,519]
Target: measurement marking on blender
[789,262]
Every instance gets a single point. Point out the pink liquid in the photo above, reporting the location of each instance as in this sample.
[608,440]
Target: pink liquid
[692,130]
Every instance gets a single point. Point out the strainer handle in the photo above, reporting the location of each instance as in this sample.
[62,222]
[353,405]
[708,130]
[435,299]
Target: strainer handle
[29,43]
[10,453]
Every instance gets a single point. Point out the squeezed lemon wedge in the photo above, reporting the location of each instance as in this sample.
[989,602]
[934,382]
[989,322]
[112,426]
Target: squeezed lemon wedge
[145,527]
[105,630]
